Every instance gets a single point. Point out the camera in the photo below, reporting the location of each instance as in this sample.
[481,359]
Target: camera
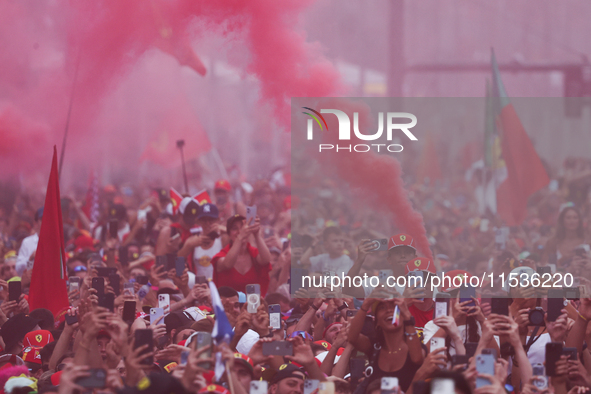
[536,317]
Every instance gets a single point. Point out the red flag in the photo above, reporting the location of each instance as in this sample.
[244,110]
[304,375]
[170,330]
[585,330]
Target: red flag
[202,197]
[91,206]
[176,199]
[48,282]
[525,173]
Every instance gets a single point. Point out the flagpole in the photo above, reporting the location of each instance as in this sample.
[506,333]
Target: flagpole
[180,144]
[61,163]
[229,373]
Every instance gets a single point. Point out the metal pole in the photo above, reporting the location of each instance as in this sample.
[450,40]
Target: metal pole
[396,66]
[61,163]
[180,144]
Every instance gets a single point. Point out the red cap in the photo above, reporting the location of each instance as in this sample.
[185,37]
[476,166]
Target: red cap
[222,184]
[245,359]
[84,241]
[452,274]
[55,378]
[205,308]
[324,343]
[401,240]
[420,264]
[214,388]
[37,338]
[329,326]
[31,355]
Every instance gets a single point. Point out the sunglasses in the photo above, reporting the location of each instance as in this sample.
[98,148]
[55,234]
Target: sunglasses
[303,334]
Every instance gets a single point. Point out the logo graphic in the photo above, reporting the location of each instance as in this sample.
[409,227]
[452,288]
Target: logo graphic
[38,337]
[403,238]
[417,263]
[315,118]
[392,123]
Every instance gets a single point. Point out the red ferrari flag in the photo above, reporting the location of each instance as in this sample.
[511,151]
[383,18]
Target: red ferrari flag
[202,197]
[523,173]
[48,282]
[175,198]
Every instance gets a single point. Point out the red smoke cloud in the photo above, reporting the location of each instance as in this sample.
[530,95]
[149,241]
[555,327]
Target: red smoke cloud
[379,176]
[44,42]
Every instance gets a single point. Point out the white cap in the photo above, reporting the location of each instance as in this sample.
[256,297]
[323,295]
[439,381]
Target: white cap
[184,202]
[517,274]
[18,382]
[168,208]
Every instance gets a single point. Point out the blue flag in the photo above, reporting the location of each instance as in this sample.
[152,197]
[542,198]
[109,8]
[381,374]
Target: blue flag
[222,330]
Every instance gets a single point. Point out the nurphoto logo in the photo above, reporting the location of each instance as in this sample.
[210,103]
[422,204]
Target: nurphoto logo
[392,124]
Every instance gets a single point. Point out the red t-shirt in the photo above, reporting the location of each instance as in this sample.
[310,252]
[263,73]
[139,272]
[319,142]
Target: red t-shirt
[421,318]
[256,274]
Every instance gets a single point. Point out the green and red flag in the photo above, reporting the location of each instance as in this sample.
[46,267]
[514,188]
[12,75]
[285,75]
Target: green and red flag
[517,168]
[48,281]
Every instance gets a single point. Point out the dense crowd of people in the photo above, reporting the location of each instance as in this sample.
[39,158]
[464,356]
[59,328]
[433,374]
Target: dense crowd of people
[143,318]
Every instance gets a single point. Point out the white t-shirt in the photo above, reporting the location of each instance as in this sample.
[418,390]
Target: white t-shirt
[537,352]
[339,266]
[28,247]
[202,258]
[431,328]
[247,341]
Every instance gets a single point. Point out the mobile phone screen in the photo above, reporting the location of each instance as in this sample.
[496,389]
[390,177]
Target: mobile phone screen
[145,337]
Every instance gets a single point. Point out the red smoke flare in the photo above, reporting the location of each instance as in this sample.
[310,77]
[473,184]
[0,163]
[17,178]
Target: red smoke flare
[379,176]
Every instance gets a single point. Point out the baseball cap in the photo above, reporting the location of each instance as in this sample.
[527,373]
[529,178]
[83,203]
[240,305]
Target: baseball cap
[214,388]
[233,219]
[15,329]
[516,272]
[243,358]
[156,383]
[37,338]
[286,371]
[222,184]
[55,378]
[420,264]
[208,210]
[117,211]
[189,207]
[324,344]
[241,297]
[31,355]
[401,240]
[184,202]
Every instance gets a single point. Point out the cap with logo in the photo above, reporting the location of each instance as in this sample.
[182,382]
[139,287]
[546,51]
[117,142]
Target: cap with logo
[31,355]
[208,211]
[420,264]
[324,344]
[244,359]
[189,208]
[37,338]
[222,184]
[156,383]
[287,371]
[117,211]
[233,219]
[401,240]
[214,388]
